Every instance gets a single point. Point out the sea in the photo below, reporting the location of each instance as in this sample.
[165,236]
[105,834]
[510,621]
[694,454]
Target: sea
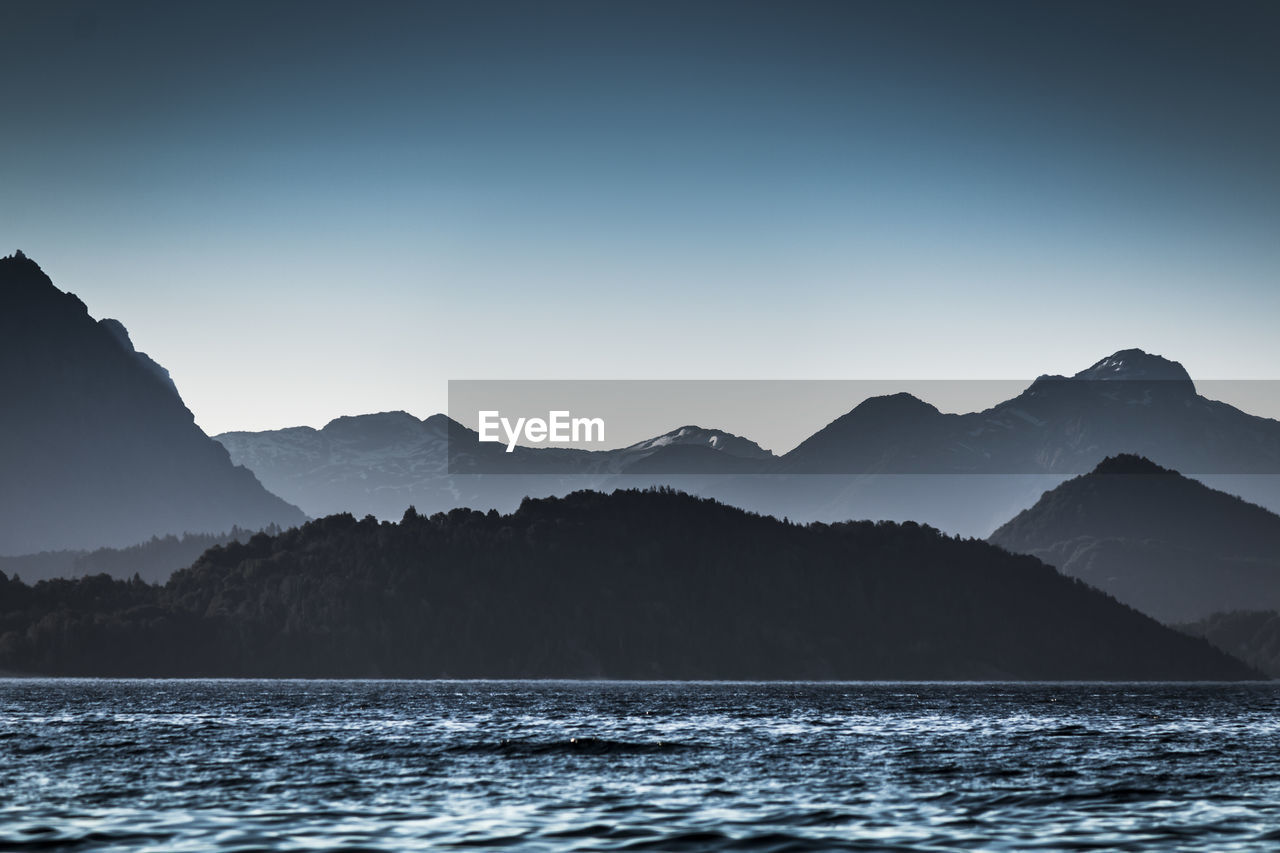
[174,765]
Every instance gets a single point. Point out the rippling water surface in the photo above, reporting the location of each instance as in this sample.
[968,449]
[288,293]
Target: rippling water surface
[198,765]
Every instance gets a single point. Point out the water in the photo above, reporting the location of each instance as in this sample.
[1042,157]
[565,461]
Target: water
[230,765]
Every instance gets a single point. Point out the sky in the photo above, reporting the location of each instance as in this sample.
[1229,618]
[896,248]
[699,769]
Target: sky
[308,210]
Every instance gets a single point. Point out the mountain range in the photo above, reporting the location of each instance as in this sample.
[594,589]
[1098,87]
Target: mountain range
[100,451]
[891,457]
[98,448]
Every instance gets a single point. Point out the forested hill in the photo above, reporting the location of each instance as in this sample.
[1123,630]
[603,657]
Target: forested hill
[650,584]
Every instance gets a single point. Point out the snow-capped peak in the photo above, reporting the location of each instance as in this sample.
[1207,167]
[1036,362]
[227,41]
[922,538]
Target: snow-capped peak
[1136,365]
[716,439]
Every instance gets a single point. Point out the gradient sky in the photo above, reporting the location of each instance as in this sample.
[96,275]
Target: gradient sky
[306,210]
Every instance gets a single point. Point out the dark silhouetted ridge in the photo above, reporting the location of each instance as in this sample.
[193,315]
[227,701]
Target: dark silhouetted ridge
[636,584]
[98,448]
[1129,463]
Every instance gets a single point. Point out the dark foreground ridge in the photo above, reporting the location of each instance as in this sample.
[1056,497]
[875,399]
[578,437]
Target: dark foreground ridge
[637,584]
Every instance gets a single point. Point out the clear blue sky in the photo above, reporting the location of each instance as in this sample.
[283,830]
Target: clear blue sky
[306,210]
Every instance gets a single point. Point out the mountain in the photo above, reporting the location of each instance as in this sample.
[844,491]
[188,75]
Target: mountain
[362,464]
[696,436]
[893,457]
[1252,636]
[99,449]
[687,451]
[636,584]
[1129,402]
[894,434]
[1163,543]
[1134,365]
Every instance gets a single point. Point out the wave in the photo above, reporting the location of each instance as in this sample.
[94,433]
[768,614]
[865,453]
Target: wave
[572,746]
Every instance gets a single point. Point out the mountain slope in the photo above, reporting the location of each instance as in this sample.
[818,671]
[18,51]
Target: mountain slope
[635,584]
[1163,543]
[98,448]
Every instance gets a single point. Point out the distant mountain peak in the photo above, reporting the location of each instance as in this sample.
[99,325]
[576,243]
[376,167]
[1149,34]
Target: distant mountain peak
[900,403]
[440,421]
[716,439]
[398,417]
[1136,365]
[1130,463]
[442,427]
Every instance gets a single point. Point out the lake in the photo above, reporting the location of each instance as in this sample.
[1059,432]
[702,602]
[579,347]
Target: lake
[403,765]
